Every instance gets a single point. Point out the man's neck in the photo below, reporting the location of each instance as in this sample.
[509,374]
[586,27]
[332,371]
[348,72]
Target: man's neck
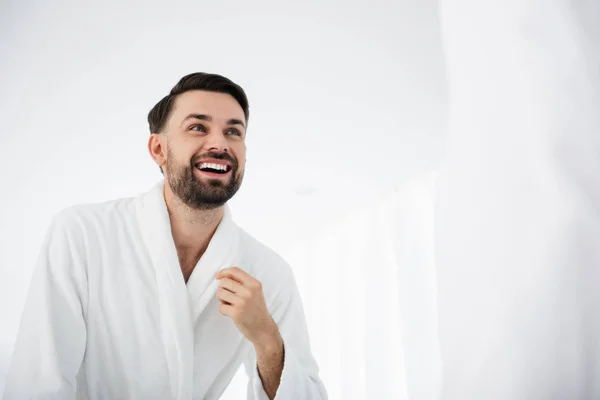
[192,230]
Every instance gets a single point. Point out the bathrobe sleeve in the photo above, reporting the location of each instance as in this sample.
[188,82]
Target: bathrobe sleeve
[300,377]
[52,334]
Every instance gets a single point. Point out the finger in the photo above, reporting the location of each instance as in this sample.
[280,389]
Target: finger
[226,309]
[228,297]
[236,274]
[234,287]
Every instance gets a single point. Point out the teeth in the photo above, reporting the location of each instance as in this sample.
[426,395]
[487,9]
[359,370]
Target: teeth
[220,167]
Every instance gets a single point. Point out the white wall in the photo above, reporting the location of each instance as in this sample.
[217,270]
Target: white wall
[347,101]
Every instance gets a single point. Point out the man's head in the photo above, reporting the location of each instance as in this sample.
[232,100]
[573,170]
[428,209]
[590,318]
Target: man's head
[197,137]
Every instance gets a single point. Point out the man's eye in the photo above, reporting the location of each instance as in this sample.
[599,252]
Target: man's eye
[199,128]
[234,132]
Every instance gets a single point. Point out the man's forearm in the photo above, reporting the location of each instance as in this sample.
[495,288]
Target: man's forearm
[270,359]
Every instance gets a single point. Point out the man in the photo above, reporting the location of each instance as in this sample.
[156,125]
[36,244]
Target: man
[162,296]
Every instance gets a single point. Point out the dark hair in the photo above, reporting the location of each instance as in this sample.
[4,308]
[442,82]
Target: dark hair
[158,116]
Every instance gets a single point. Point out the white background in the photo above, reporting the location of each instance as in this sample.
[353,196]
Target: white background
[347,101]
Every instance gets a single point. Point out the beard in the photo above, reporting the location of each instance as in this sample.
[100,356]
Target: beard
[197,193]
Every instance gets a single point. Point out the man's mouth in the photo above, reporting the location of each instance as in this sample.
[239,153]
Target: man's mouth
[213,168]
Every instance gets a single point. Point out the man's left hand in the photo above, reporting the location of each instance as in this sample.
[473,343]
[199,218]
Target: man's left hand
[242,300]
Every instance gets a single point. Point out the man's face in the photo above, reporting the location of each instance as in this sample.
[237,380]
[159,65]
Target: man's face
[205,148]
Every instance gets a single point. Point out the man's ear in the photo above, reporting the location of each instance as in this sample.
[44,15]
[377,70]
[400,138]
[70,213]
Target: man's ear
[157,149]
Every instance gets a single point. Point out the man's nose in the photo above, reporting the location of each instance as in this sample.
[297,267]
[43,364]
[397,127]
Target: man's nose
[216,141]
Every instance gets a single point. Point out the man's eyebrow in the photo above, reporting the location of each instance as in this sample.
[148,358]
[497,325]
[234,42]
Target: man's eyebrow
[204,117]
[201,117]
[235,121]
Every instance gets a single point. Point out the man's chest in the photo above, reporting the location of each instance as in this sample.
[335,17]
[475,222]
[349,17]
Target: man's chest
[130,329]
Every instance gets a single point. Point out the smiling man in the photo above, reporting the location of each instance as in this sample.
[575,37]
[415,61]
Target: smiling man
[163,296]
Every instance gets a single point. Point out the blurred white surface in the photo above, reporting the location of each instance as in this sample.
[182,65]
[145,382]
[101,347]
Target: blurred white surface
[517,220]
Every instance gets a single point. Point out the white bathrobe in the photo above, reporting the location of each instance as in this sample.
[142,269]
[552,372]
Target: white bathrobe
[109,315]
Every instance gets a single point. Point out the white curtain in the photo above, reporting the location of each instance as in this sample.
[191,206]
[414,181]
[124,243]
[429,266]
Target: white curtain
[373,323]
[518,217]
[502,248]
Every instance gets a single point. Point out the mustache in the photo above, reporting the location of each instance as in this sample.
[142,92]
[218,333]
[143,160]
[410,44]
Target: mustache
[216,156]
